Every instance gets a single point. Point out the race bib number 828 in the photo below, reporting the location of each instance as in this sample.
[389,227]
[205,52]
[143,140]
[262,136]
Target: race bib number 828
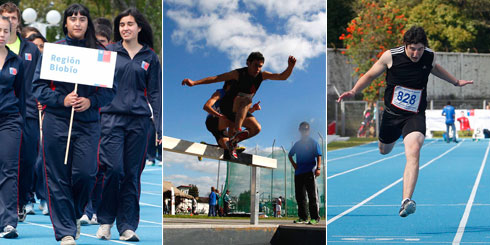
[406,99]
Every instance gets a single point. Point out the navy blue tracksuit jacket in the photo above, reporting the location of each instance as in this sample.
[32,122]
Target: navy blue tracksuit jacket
[29,53]
[69,186]
[125,132]
[12,112]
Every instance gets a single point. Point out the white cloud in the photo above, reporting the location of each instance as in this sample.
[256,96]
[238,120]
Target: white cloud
[232,28]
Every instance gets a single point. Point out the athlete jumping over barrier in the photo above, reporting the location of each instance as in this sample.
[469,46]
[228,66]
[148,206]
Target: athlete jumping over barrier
[239,99]
[407,71]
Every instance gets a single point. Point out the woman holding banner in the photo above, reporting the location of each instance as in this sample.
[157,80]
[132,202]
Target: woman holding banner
[12,112]
[69,185]
[125,123]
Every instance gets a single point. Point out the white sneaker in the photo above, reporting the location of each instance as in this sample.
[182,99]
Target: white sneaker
[129,235]
[30,208]
[159,163]
[9,232]
[84,220]
[104,232]
[93,221]
[68,240]
[43,206]
[78,229]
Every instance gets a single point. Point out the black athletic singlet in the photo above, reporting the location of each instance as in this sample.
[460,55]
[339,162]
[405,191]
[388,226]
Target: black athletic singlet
[406,90]
[246,83]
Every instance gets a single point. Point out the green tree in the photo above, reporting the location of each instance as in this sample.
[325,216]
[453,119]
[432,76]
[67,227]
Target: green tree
[339,13]
[244,201]
[194,191]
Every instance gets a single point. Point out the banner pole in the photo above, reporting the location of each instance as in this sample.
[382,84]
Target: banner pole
[69,128]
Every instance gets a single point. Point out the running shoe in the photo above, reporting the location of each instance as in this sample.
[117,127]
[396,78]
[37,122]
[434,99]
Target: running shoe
[129,235]
[300,221]
[408,207]
[68,240]
[84,220]
[30,208]
[104,232]
[94,221]
[9,232]
[231,150]
[314,221]
[239,136]
[240,149]
[45,209]
[22,213]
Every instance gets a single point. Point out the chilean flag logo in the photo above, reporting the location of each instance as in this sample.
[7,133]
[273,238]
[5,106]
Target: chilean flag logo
[145,65]
[104,56]
[28,56]
[13,71]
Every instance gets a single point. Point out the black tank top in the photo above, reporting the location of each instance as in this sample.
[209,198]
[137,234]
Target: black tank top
[248,84]
[406,82]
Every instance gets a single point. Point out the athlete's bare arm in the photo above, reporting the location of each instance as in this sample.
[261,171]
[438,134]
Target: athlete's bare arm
[440,72]
[232,75]
[374,72]
[281,76]
[208,107]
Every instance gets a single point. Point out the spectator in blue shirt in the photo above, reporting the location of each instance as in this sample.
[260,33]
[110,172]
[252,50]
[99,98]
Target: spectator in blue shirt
[449,112]
[307,168]
[212,203]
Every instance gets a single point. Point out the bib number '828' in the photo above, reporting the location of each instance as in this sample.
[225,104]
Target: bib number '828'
[406,98]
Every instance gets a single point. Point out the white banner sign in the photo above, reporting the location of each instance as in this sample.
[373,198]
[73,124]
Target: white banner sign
[65,63]
[478,119]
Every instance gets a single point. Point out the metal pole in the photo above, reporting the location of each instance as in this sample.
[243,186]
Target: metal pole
[254,196]
[342,116]
[484,104]
[272,177]
[285,183]
[217,182]
[336,118]
[324,170]
[432,104]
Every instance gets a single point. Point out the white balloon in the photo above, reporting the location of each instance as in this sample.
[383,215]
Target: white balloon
[29,15]
[53,17]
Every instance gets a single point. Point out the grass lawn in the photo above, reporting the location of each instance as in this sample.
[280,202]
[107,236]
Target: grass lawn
[349,143]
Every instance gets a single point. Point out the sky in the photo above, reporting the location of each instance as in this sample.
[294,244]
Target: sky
[208,37]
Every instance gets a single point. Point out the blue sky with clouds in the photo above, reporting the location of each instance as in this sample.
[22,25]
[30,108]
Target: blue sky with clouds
[209,37]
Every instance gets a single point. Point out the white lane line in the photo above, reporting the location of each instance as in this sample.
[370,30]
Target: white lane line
[152,169]
[82,234]
[365,165]
[150,205]
[469,204]
[149,183]
[387,187]
[418,205]
[151,193]
[369,164]
[351,155]
[150,222]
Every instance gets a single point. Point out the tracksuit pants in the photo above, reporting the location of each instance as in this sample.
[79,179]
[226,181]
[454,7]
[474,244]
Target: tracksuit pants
[10,140]
[304,184]
[69,186]
[29,153]
[122,152]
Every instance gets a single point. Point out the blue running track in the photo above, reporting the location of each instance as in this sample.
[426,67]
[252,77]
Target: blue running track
[37,229]
[452,195]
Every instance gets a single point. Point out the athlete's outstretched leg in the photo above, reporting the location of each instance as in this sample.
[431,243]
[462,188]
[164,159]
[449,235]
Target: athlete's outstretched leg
[385,148]
[240,107]
[413,142]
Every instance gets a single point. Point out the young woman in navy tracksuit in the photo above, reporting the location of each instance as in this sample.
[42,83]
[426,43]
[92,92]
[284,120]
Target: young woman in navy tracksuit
[125,124]
[69,186]
[12,112]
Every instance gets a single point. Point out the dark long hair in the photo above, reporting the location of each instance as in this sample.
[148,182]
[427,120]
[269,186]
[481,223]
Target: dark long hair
[90,39]
[145,36]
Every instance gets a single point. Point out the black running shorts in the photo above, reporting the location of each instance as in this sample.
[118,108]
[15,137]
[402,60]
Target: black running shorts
[392,126]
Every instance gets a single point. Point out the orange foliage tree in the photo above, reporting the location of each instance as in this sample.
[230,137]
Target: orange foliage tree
[377,28]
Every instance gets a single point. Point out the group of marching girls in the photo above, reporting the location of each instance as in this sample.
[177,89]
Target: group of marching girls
[110,129]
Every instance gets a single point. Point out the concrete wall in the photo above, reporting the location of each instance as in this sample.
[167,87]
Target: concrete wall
[465,66]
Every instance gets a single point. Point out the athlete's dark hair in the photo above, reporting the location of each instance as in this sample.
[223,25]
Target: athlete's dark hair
[255,56]
[90,39]
[11,7]
[35,36]
[304,125]
[103,30]
[103,21]
[145,36]
[449,103]
[27,29]
[414,35]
